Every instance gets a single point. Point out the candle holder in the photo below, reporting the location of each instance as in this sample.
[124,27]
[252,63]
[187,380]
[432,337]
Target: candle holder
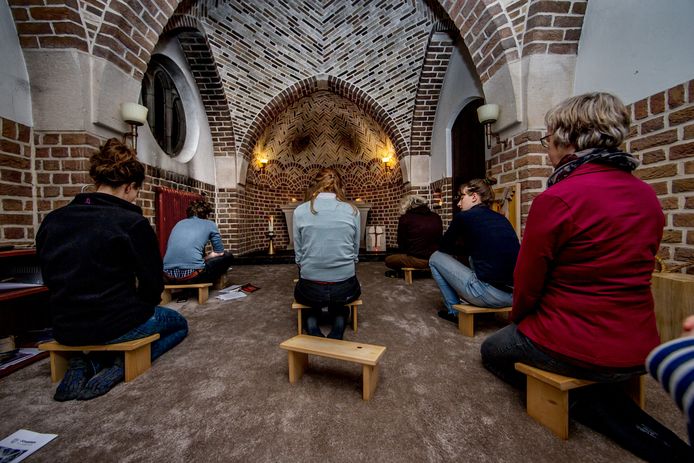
[270,236]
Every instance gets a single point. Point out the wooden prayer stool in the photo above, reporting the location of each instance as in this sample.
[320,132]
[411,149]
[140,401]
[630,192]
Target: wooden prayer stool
[548,396]
[203,291]
[368,355]
[408,273]
[220,283]
[466,316]
[138,355]
[352,311]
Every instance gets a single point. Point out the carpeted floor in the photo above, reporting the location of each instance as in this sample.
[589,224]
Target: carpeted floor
[223,394]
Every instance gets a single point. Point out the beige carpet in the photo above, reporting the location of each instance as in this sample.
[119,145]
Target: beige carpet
[223,394]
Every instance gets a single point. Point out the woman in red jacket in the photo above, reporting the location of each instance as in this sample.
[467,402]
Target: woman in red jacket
[582,304]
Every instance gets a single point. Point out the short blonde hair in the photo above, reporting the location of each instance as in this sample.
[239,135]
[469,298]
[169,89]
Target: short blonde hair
[412,201]
[591,120]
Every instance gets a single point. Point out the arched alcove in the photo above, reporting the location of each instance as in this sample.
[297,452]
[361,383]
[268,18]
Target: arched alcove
[320,129]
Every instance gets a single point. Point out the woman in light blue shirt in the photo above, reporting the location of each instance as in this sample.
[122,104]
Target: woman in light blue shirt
[185,260]
[326,245]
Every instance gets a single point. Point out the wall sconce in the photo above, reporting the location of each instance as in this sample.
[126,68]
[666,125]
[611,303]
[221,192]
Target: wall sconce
[487,115]
[262,163]
[135,115]
[387,163]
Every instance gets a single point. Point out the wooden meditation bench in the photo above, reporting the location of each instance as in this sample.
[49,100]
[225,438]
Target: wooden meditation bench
[138,355]
[408,273]
[352,309]
[203,291]
[368,355]
[466,316]
[548,396]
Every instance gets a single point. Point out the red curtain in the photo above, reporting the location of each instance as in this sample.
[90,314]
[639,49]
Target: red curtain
[170,207]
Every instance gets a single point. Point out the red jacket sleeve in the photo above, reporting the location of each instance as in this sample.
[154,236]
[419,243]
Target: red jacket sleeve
[548,228]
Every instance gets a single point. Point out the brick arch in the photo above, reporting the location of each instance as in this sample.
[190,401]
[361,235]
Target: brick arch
[310,85]
[49,26]
[202,64]
[487,32]
[129,32]
[484,26]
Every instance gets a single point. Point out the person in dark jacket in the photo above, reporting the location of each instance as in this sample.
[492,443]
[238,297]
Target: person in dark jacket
[491,247]
[100,261]
[419,233]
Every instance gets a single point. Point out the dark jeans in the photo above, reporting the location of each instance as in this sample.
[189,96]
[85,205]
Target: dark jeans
[171,326]
[603,407]
[332,296]
[214,268]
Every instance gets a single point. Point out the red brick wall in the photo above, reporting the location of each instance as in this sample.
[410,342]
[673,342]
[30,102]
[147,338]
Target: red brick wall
[265,193]
[523,161]
[662,136]
[553,27]
[62,170]
[16,178]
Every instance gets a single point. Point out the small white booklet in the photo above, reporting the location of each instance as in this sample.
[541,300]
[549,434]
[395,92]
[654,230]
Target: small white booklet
[21,444]
[231,295]
[230,289]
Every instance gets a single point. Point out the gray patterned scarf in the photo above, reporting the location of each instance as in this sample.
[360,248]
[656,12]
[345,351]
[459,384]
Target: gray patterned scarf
[610,157]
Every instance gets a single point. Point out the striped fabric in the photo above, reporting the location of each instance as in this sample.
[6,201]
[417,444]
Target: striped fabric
[672,364]
[181,273]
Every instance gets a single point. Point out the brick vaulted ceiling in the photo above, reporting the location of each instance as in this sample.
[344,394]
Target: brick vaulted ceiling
[323,128]
[264,47]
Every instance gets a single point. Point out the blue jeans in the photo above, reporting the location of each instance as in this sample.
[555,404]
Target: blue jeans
[457,281]
[171,326]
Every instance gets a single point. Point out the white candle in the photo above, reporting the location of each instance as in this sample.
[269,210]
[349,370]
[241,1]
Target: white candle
[271,223]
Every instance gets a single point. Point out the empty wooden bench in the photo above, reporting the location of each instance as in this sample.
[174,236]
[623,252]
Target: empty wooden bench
[352,309]
[548,396]
[138,356]
[368,355]
[466,316]
[203,291]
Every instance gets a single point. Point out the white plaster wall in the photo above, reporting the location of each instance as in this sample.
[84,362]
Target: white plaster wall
[548,81]
[635,48]
[197,156]
[460,86]
[15,96]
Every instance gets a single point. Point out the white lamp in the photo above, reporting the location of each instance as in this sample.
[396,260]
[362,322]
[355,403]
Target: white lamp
[135,115]
[487,115]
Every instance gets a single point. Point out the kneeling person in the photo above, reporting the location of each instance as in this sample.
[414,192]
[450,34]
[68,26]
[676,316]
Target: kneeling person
[491,247]
[100,261]
[185,260]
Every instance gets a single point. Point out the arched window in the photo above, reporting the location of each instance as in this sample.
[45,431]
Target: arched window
[166,117]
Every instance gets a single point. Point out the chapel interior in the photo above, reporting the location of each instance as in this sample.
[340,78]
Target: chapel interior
[246,101]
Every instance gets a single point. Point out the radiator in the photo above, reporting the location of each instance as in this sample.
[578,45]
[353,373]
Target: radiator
[170,207]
